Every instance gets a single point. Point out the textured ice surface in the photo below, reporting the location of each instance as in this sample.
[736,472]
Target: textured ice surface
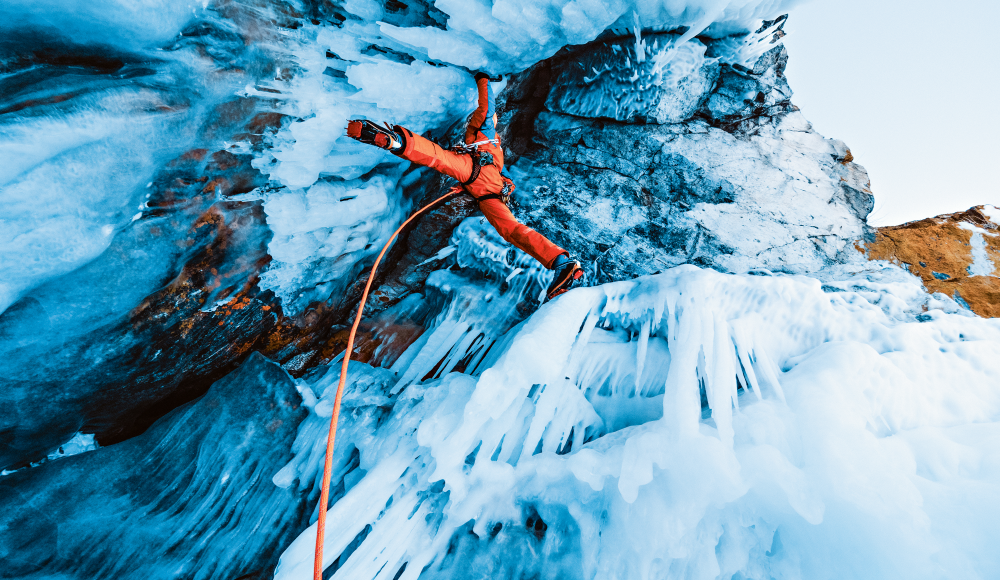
[689,423]
[190,498]
[71,181]
[513,34]
[128,24]
[80,443]
[653,78]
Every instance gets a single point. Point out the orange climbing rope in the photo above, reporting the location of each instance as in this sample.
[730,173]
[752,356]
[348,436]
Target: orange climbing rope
[324,496]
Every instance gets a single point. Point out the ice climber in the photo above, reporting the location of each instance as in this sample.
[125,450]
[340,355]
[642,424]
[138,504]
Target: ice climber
[478,166]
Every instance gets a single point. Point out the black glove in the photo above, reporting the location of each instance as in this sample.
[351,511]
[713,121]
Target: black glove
[493,79]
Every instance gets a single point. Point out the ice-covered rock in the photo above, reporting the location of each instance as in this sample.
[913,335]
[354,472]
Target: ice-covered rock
[192,497]
[742,182]
[790,410]
[715,424]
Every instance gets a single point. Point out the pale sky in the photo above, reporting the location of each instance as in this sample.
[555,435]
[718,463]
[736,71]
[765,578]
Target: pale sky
[913,88]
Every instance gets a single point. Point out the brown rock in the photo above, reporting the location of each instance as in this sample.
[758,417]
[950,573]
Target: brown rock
[939,251]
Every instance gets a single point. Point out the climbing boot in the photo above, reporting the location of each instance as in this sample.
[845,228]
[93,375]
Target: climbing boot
[567,272]
[372,134]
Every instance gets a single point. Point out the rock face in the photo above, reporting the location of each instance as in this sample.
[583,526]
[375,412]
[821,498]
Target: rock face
[956,254]
[190,498]
[172,306]
[739,182]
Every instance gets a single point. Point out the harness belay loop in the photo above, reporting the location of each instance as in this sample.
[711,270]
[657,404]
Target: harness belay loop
[481,159]
[504,195]
[466,148]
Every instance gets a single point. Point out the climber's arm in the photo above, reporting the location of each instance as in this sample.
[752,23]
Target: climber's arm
[483,118]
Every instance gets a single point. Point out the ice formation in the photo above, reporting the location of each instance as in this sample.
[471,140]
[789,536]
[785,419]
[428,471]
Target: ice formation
[153,506]
[513,34]
[688,424]
[408,67]
[982,264]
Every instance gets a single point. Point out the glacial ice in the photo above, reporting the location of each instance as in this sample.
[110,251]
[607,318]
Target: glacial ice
[690,423]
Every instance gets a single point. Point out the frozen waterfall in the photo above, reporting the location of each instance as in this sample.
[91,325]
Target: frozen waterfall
[688,424]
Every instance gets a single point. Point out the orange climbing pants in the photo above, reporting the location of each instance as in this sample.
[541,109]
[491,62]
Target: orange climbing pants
[429,154]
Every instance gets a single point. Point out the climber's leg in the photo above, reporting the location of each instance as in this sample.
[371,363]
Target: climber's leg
[531,242]
[567,272]
[429,154]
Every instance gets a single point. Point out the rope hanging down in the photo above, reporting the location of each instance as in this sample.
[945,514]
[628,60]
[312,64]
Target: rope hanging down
[324,496]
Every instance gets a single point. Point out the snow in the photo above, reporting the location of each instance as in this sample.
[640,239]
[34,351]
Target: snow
[715,424]
[982,263]
[992,212]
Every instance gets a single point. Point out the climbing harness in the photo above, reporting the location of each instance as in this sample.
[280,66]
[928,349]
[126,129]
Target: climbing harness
[504,195]
[324,496]
[480,159]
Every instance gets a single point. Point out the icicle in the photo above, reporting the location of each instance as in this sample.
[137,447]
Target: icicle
[640,352]
[723,379]
[582,339]
[765,364]
[358,508]
[380,556]
[741,340]
[682,379]
[437,346]
[640,44]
